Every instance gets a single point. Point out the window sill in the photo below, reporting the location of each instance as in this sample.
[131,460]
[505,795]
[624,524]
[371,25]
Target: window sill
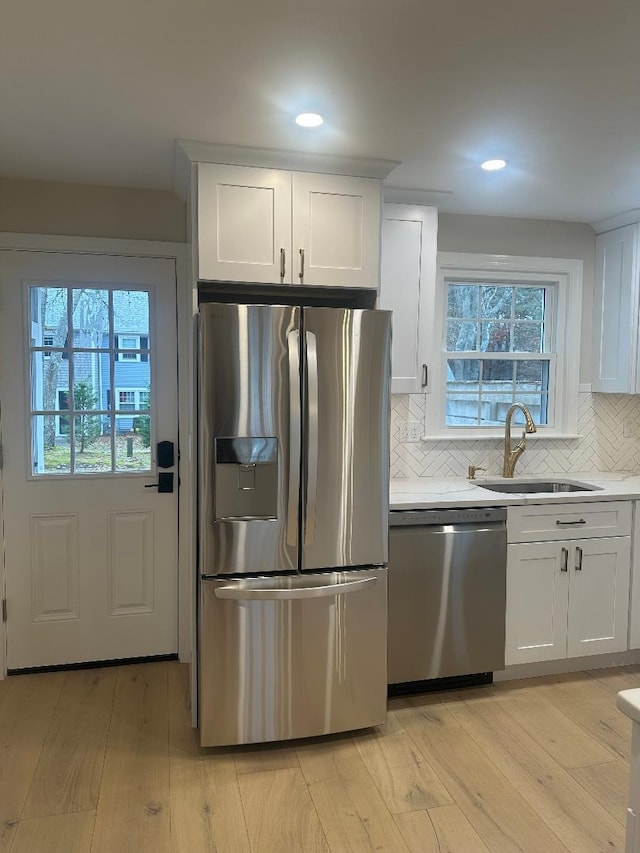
[493,436]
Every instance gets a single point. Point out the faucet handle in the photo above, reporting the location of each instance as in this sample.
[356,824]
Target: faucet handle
[471,473]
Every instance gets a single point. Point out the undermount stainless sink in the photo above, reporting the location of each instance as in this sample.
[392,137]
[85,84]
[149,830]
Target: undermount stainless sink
[536,486]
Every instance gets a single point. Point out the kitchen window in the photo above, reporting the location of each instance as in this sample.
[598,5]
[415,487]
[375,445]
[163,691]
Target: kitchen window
[508,330]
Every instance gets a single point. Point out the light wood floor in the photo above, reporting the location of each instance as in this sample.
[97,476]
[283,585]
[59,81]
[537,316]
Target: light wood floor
[105,761]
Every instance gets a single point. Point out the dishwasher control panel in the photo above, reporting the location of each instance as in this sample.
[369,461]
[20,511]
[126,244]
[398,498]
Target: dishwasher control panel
[473,515]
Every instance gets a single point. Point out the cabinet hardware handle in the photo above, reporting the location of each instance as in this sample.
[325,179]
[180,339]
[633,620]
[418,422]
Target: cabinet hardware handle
[578,559]
[425,375]
[301,273]
[570,523]
[565,560]
[282,264]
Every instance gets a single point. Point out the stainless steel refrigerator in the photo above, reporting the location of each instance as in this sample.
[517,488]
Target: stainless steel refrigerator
[293,521]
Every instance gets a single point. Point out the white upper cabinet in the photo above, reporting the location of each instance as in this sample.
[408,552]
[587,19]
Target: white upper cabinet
[244,222]
[616,336]
[280,227]
[336,230]
[407,287]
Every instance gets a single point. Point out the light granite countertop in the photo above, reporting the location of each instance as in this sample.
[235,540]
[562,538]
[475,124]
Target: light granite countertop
[442,492]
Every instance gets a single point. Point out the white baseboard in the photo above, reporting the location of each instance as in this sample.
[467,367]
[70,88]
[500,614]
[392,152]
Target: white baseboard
[556,667]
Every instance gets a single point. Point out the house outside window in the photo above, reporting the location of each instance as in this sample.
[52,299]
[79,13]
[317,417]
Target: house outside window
[129,346]
[507,330]
[132,399]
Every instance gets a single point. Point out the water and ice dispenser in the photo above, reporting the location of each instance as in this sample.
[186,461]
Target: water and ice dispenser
[246,478]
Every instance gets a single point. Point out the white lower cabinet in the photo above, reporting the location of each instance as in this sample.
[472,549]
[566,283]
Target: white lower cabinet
[567,598]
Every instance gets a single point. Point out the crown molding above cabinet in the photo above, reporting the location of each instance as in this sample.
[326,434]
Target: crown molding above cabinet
[190,151]
[629,217]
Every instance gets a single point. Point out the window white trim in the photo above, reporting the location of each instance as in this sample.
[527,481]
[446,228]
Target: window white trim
[566,275]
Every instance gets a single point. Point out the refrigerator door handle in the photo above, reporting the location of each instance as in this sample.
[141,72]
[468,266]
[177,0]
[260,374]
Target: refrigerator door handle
[239,593]
[293,343]
[312,438]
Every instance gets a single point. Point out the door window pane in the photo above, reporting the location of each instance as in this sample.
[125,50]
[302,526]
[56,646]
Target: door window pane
[49,377]
[133,452]
[90,318]
[92,448]
[89,356]
[50,452]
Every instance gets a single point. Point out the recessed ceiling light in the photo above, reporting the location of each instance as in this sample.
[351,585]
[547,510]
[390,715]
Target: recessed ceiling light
[493,165]
[309,120]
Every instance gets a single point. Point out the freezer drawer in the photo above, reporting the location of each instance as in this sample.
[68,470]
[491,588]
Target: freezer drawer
[290,657]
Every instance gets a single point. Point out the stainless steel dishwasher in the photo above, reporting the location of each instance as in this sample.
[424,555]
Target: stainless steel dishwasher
[447,593]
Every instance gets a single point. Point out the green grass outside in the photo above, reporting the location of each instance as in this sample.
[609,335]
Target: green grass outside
[96,457]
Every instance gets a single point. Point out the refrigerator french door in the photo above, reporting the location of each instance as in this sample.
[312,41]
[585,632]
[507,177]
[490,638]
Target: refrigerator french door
[293,508]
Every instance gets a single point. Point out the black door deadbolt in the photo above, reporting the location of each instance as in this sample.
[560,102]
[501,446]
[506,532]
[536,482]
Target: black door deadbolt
[164,484]
[165,454]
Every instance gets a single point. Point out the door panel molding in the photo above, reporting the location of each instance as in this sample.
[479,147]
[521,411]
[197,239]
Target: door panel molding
[55,580]
[131,588]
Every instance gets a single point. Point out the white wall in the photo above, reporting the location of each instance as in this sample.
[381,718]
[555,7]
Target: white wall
[81,210]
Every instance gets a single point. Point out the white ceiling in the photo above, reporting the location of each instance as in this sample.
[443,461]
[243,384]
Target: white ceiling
[97,91]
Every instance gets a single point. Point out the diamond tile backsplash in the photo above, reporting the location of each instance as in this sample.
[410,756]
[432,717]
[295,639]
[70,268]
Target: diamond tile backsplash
[602,446]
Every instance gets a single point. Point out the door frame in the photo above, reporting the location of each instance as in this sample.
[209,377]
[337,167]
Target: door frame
[186,304]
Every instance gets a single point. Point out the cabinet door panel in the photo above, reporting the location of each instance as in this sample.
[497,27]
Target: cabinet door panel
[615,312]
[537,602]
[407,282]
[244,220]
[336,223]
[599,596]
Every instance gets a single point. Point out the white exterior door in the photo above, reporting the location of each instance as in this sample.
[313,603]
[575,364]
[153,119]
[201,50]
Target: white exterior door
[88,386]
